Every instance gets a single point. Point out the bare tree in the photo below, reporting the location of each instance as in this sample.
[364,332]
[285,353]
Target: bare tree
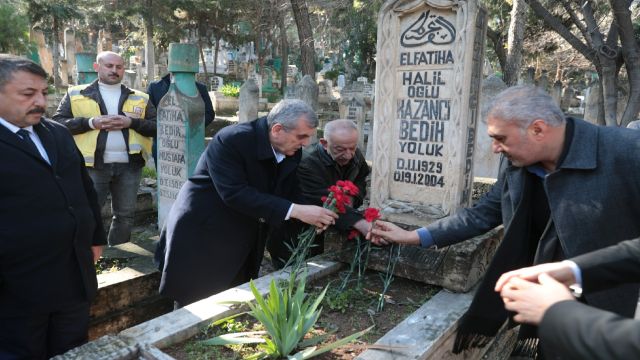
[514,42]
[600,45]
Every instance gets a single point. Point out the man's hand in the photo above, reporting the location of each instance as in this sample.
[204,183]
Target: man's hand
[111,122]
[384,231]
[314,215]
[530,300]
[559,270]
[363,227]
[97,252]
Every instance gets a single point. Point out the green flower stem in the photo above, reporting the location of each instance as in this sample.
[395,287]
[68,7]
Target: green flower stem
[387,279]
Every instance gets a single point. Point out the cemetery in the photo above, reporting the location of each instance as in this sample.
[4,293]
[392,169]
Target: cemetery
[417,78]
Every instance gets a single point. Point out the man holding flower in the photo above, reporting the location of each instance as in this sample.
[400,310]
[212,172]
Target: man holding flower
[335,158]
[243,187]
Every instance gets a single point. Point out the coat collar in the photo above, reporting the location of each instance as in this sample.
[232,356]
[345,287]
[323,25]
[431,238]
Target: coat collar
[583,150]
[328,161]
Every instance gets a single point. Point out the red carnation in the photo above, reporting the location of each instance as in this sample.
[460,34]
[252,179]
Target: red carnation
[371,214]
[353,234]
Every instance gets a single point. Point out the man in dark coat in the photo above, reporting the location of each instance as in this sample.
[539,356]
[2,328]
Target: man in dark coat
[243,186]
[335,157]
[569,329]
[159,88]
[50,227]
[565,188]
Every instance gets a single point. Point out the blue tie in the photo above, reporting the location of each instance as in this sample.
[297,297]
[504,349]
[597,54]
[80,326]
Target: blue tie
[26,139]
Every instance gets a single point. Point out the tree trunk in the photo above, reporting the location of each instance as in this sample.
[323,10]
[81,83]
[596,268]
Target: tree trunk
[631,55]
[515,41]
[498,46]
[55,55]
[149,50]
[204,62]
[305,35]
[215,56]
[284,50]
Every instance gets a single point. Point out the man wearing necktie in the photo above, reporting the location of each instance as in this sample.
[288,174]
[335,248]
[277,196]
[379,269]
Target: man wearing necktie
[50,227]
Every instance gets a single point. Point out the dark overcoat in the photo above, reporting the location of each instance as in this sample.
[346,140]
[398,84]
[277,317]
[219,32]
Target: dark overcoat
[49,219]
[215,232]
[572,330]
[594,201]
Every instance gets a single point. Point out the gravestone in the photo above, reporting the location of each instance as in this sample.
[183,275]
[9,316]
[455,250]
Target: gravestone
[568,96]
[180,127]
[258,81]
[104,41]
[70,52]
[362,79]
[634,125]
[592,105]
[341,81]
[485,162]
[352,108]
[543,81]
[324,92]
[556,92]
[231,68]
[216,83]
[428,77]
[129,78]
[307,90]
[248,104]
[290,92]
[84,65]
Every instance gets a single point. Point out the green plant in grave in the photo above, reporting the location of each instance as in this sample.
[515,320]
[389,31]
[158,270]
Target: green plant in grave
[287,314]
[230,90]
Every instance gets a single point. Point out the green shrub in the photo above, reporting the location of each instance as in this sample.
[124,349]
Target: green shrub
[230,90]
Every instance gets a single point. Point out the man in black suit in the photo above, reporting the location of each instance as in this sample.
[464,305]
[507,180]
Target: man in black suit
[244,186]
[569,329]
[50,227]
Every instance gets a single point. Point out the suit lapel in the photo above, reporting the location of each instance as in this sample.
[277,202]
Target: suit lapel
[49,143]
[12,139]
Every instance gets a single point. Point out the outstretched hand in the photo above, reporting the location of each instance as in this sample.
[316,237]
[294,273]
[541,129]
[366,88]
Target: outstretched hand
[384,232]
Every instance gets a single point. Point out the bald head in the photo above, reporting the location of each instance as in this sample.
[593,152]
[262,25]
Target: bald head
[340,140]
[110,67]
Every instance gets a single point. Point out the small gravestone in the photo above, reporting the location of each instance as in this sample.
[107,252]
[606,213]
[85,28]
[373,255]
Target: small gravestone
[216,83]
[248,103]
[70,52]
[485,162]
[231,68]
[180,127]
[568,96]
[592,107]
[129,78]
[341,81]
[307,90]
[324,92]
[352,108]
[290,92]
[556,92]
[529,75]
[84,65]
[258,81]
[362,79]
[634,125]
[543,81]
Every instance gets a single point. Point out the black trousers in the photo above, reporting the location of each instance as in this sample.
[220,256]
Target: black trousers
[281,240]
[44,335]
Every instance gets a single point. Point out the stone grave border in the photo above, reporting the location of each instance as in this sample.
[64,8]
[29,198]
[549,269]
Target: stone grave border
[429,331]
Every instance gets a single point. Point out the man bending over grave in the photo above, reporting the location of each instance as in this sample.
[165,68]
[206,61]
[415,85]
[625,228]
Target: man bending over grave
[335,157]
[243,186]
[113,127]
[565,187]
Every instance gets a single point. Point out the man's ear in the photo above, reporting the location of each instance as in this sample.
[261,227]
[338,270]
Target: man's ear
[95,66]
[323,142]
[539,128]
[276,129]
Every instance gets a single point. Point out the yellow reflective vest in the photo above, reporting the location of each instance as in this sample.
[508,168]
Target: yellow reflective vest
[134,107]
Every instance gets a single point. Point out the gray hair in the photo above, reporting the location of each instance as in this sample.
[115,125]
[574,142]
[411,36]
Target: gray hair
[106,53]
[288,112]
[10,64]
[524,104]
[334,126]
